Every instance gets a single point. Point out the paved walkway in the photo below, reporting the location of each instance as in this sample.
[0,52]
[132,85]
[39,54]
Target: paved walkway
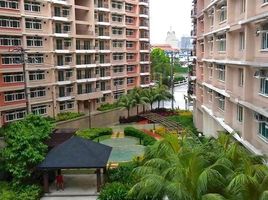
[77,187]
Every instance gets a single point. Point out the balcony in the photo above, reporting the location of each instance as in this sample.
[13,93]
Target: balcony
[85,49]
[106,89]
[93,93]
[103,36]
[144,3]
[101,6]
[65,96]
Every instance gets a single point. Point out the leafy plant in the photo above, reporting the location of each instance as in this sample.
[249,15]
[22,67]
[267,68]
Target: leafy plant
[93,133]
[25,146]
[108,106]
[67,116]
[114,191]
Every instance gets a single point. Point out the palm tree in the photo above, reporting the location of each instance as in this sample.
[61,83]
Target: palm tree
[150,96]
[137,95]
[163,94]
[127,102]
[216,170]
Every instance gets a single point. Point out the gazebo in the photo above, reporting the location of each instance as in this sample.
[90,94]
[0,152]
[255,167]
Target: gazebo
[76,153]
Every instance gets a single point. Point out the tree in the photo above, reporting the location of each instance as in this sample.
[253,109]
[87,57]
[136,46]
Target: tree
[137,95]
[214,170]
[25,146]
[160,65]
[127,102]
[150,96]
[163,94]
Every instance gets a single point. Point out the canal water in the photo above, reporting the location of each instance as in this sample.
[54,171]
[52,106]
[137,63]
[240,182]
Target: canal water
[179,93]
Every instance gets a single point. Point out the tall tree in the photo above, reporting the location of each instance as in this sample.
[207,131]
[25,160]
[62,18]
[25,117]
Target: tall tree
[137,95]
[127,102]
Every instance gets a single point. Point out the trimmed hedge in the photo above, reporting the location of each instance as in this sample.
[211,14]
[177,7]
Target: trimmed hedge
[108,106]
[147,140]
[67,116]
[93,133]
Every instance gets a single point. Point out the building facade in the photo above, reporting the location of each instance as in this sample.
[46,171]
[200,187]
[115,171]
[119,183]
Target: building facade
[231,68]
[77,54]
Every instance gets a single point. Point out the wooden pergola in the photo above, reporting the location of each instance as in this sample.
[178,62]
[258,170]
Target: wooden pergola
[76,153]
[164,121]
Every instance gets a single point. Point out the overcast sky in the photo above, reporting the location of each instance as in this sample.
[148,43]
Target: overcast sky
[166,13]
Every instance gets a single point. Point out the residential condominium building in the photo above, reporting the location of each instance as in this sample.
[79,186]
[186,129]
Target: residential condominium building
[78,54]
[230,91]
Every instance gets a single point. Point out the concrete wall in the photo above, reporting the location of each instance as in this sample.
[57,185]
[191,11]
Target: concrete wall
[99,119]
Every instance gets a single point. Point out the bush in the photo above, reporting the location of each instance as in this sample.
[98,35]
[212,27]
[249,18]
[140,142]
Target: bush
[67,116]
[185,119]
[108,106]
[147,140]
[123,173]
[124,120]
[93,133]
[114,191]
[179,78]
[25,192]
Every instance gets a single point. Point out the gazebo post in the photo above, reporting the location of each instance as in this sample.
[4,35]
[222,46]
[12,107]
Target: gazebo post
[98,179]
[45,181]
[104,175]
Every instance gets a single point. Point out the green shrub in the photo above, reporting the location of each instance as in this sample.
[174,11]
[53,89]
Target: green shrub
[22,192]
[179,78]
[147,140]
[93,133]
[67,116]
[123,173]
[108,106]
[114,191]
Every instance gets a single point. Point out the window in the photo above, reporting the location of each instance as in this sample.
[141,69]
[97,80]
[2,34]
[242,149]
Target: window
[14,95]
[129,32]
[117,5]
[221,72]
[39,110]
[129,20]
[13,77]
[241,41]
[263,129]
[36,75]
[221,101]
[130,56]
[10,4]
[118,94]
[15,115]
[11,59]
[32,6]
[264,86]
[118,56]
[66,105]
[10,41]
[240,77]
[34,41]
[221,43]
[129,44]
[61,12]
[117,31]
[118,69]
[265,1]
[9,22]
[130,80]
[239,113]
[264,44]
[118,81]
[37,92]
[223,13]
[243,6]
[129,7]
[130,68]
[118,44]
[35,58]
[33,24]
[210,70]
[117,18]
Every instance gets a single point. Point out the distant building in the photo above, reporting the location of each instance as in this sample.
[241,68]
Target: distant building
[171,39]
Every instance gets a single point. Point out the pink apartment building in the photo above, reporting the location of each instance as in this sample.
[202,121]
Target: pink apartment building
[231,88]
[79,54]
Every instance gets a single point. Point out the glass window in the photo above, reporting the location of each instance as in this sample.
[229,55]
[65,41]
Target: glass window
[239,113]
